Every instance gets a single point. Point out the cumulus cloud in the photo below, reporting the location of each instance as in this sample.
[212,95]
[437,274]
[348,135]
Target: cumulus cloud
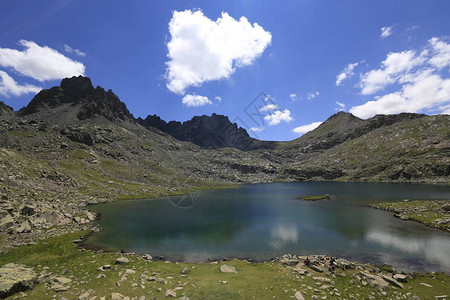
[277,116]
[422,92]
[257,129]
[40,63]
[441,53]
[9,87]
[346,73]
[386,31]
[218,99]
[306,128]
[69,49]
[195,100]
[202,50]
[313,95]
[421,85]
[392,69]
[269,107]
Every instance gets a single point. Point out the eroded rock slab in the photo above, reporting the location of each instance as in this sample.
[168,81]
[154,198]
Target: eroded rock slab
[16,278]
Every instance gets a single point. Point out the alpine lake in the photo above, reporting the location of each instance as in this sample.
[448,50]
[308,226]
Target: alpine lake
[264,221]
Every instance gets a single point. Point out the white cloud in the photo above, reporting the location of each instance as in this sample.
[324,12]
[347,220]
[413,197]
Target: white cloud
[203,50]
[195,100]
[269,107]
[421,85]
[346,73]
[278,116]
[311,96]
[257,129]
[306,128]
[386,31]
[341,105]
[293,97]
[8,86]
[40,63]
[392,69]
[69,49]
[218,99]
[441,53]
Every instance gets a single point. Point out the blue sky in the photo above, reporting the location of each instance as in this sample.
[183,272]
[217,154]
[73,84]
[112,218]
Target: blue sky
[301,63]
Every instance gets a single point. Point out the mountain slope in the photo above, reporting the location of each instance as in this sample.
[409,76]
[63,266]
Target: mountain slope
[343,126]
[412,148]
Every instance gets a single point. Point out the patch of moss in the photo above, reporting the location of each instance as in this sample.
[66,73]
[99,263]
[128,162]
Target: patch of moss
[315,197]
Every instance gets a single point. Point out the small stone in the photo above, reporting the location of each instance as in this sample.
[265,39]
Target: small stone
[170,293]
[400,277]
[147,257]
[316,268]
[130,271]
[59,287]
[116,296]
[122,260]
[101,276]
[84,296]
[426,284]
[185,270]
[299,296]
[227,269]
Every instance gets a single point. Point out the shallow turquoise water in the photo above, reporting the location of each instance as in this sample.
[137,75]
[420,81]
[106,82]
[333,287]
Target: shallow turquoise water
[263,221]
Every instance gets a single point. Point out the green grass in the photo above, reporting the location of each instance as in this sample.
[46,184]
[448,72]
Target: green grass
[315,197]
[253,281]
[418,210]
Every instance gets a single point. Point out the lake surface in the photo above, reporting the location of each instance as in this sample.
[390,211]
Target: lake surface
[264,221]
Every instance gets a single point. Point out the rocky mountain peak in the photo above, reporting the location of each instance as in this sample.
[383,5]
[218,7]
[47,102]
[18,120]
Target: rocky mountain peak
[77,86]
[5,108]
[77,96]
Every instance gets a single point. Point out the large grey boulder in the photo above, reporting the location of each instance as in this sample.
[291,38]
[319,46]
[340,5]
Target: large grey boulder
[375,281]
[15,278]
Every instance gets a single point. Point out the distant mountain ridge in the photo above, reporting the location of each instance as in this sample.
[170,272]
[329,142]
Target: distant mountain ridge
[215,131]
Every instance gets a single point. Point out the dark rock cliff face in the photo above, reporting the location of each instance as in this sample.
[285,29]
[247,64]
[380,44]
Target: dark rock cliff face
[215,131]
[6,111]
[78,91]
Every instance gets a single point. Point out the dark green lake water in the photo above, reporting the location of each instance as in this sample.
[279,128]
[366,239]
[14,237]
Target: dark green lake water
[263,221]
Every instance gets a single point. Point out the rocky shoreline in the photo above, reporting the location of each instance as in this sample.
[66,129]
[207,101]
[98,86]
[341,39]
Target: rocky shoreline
[432,213]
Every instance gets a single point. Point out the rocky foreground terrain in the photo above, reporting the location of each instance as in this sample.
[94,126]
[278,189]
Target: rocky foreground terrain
[55,269]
